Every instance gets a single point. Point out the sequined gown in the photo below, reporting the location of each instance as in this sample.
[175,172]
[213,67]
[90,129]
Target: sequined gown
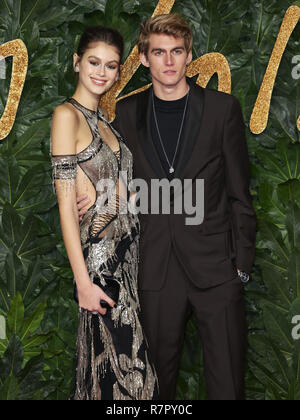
[113,361]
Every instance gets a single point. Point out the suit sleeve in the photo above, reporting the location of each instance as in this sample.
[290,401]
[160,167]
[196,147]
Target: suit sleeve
[237,170]
[117,122]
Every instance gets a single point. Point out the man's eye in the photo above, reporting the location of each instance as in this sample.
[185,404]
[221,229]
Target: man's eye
[158,52]
[178,52]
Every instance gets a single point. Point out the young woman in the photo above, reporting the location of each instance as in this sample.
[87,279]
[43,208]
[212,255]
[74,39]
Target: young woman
[89,157]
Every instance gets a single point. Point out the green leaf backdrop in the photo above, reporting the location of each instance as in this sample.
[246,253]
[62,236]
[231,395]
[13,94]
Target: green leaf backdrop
[37,358]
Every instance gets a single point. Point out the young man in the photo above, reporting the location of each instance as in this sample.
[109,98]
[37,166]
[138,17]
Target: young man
[177,129]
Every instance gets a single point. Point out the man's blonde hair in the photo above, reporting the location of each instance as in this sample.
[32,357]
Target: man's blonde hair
[172,24]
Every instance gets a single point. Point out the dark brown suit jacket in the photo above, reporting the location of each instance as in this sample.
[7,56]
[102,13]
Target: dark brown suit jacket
[214,149]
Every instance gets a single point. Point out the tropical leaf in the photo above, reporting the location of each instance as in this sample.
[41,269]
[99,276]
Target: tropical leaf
[294,273]
[92,5]
[15,316]
[273,241]
[28,193]
[296,364]
[278,328]
[10,389]
[293,226]
[28,146]
[278,288]
[11,364]
[281,167]
[33,322]
[30,378]
[266,377]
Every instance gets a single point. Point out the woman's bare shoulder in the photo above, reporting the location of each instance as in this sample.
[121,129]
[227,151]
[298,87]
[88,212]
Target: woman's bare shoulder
[65,114]
[64,129]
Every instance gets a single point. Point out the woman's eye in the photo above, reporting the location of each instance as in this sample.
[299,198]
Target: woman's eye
[93,63]
[110,67]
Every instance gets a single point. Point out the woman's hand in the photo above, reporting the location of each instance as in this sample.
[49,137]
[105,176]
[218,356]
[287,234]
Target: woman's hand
[82,201]
[89,298]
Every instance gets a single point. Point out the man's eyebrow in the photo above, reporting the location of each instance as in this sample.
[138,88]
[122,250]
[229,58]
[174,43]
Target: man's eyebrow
[161,49]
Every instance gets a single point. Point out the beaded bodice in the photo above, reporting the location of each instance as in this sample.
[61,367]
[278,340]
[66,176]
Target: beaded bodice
[102,166]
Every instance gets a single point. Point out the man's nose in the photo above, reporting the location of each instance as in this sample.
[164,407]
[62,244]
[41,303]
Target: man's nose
[169,59]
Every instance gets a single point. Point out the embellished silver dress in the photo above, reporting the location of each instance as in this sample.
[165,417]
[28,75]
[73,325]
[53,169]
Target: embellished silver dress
[113,361]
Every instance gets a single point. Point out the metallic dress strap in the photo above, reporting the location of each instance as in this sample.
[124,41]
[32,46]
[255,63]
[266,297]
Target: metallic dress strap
[64,168]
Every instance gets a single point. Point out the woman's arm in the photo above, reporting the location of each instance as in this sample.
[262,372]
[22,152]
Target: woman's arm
[63,135]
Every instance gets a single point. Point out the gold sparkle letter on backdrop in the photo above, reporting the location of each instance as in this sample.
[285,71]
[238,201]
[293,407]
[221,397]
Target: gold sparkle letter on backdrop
[260,114]
[18,50]
[205,66]
[209,64]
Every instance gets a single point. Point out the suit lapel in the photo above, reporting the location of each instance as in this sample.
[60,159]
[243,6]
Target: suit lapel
[192,127]
[144,132]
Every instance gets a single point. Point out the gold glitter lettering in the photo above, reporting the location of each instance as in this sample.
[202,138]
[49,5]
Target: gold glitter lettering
[260,114]
[205,66]
[18,50]
[209,64]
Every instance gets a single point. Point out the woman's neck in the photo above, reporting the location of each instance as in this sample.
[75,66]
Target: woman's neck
[87,99]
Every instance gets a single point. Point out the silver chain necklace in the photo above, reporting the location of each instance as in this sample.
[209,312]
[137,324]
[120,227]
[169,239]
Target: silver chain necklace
[171,166]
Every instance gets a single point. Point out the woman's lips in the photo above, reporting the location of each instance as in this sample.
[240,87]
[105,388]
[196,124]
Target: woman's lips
[98,82]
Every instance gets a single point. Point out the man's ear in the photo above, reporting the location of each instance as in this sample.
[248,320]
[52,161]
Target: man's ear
[144,60]
[189,58]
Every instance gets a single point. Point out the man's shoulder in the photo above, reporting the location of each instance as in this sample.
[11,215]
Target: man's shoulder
[132,99]
[219,97]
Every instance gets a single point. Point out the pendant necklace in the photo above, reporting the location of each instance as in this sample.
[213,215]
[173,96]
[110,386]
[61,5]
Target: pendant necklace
[171,165]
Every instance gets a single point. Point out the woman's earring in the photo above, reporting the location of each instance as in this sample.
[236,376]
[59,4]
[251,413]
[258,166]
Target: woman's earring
[76,69]
[117,78]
